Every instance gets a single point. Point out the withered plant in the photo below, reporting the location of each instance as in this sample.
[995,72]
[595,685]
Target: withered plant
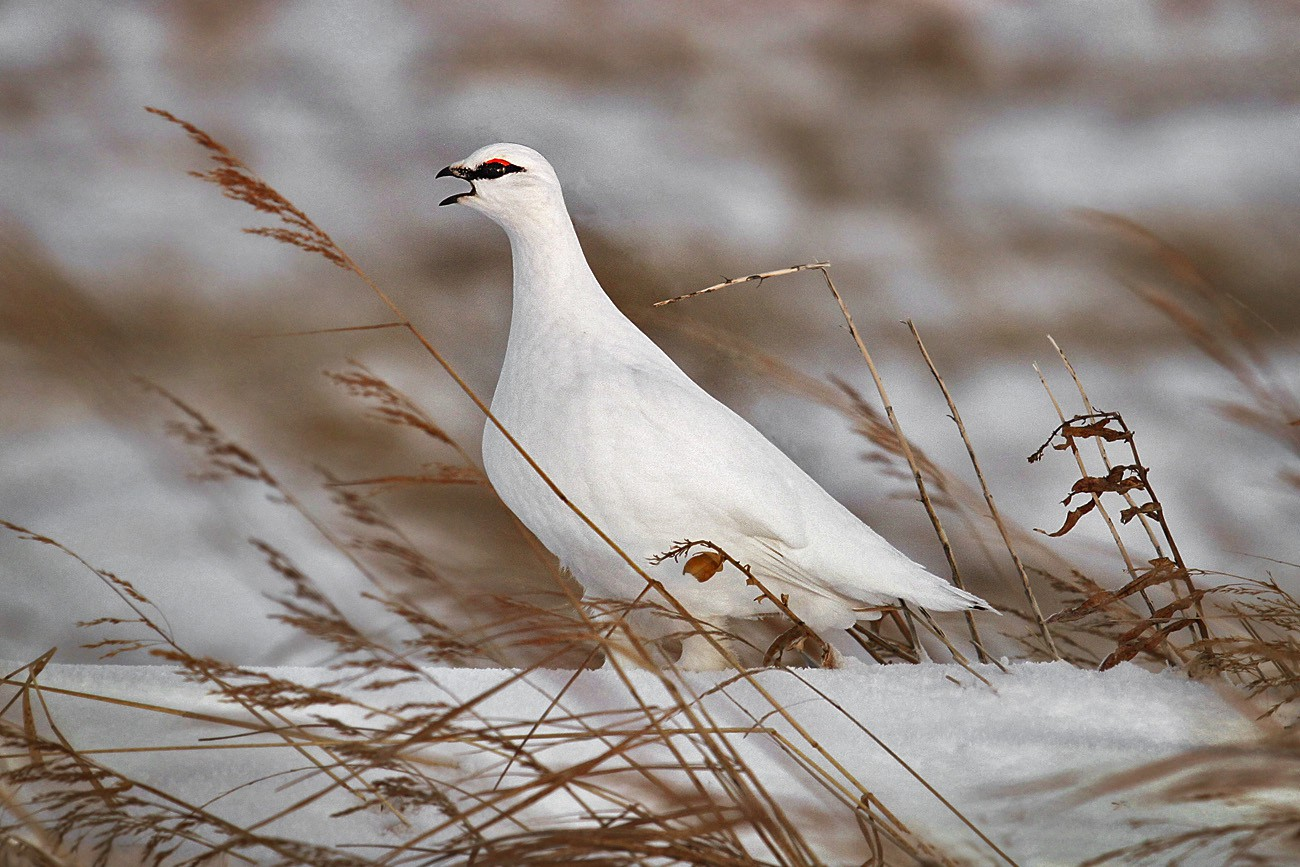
[1244,632]
[654,775]
[645,781]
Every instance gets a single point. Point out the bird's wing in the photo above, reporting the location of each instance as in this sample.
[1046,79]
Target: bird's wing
[771,514]
[734,477]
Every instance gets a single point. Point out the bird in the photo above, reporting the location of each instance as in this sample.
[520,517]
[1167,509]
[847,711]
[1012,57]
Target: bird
[649,455]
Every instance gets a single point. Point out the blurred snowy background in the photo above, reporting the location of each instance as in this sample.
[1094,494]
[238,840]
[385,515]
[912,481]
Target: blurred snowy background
[934,152]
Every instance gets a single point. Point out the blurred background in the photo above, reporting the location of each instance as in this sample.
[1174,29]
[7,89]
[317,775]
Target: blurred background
[937,153]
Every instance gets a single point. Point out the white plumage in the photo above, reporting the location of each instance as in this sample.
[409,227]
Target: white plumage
[646,453]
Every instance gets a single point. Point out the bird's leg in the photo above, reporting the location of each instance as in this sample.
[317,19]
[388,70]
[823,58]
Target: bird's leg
[800,637]
[783,642]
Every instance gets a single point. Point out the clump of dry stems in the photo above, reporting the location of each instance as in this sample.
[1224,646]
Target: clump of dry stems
[658,782]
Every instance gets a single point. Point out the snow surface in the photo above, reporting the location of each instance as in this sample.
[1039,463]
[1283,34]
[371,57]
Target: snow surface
[989,750]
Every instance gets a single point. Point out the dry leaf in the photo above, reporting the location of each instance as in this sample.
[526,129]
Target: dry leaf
[1071,519]
[1113,482]
[703,566]
[1127,515]
[1096,429]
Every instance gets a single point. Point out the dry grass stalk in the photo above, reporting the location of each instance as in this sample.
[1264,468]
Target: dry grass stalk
[1146,513]
[988,498]
[1164,621]
[906,448]
[1127,478]
[237,181]
[1221,326]
[758,807]
[901,441]
[1120,611]
[1100,442]
[752,278]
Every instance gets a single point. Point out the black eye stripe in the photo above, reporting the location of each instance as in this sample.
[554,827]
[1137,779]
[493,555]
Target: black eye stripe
[494,170]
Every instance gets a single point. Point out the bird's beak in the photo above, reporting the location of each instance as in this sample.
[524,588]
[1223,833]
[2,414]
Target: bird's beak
[455,172]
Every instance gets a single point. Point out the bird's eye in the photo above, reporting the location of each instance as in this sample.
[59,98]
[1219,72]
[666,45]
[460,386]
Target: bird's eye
[495,168]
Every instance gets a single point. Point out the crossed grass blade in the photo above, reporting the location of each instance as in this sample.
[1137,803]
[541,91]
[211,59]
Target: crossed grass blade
[761,809]
[491,736]
[745,792]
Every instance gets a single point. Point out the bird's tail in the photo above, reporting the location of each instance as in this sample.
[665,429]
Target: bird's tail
[942,596]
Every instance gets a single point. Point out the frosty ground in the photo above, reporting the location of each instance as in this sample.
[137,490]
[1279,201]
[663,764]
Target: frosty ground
[1012,756]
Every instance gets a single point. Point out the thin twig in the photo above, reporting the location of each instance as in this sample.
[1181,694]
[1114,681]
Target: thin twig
[338,330]
[988,497]
[904,444]
[1101,445]
[905,447]
[1096,498]
[732,281]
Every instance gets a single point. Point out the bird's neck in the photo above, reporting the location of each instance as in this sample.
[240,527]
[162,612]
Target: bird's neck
[552,280]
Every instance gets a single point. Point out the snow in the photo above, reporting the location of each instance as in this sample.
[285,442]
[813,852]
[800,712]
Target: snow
[988,749]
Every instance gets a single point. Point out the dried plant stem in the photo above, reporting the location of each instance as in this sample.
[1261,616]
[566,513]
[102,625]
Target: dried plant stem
[671,686]
[732,281]
[1101,445]
[41,840]
[1173,649]
[931,624]
[1200,626]
[136,705]
[341,329]
[765,812]
[988,496]
[906,447]
[1096,498]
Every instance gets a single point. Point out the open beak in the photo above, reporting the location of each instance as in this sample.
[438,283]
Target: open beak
[455,172]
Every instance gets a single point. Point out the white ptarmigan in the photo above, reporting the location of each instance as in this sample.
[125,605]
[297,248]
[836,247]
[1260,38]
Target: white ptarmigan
[646,453]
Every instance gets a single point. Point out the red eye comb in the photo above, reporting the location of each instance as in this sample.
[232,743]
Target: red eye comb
[498,161]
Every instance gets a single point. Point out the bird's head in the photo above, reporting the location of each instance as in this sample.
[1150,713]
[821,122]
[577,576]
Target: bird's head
[506,181]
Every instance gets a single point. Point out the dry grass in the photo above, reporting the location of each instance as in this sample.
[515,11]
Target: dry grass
[657,782]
